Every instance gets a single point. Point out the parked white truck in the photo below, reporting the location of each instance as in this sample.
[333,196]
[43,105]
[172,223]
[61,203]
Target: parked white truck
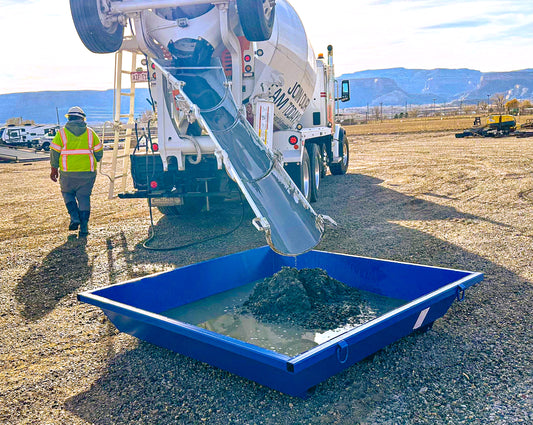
[241,101]
[27,135]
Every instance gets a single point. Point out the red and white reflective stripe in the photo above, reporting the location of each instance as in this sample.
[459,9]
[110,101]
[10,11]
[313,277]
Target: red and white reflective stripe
[66,152]
[91,141]
[55,147]
[78,152]
[63,150]
[99,146]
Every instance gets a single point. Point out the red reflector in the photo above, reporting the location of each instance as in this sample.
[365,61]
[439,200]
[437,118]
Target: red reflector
[154,76]
[153,66]
[293,140]
[295,146]
[153,184]
[155,147]
[247,68]
[247,58]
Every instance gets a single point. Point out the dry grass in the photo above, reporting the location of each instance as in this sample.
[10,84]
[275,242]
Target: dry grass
[419,125]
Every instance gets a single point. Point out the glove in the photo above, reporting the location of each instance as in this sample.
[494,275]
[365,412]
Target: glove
[54,174]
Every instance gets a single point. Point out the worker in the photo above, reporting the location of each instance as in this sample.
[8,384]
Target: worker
[74,154]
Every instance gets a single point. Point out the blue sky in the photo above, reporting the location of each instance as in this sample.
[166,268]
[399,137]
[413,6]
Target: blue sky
[41,50]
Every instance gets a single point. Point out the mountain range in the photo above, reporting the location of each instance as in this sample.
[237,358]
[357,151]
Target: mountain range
[51,106]
[400,86]
[393,86]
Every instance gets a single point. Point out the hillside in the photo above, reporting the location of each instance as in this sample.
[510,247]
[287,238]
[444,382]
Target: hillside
[398,86]
[41,106]
[394,86]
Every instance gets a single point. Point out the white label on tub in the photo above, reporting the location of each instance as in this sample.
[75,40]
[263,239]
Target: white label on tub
[421,318]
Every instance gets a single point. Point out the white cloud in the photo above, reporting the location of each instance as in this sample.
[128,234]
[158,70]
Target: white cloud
[423,34]
[42,51]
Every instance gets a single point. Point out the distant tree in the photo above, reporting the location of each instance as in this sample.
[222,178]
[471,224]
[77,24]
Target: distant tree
[484,106]
[414,112]
[525,104]
[469,109]
[512,106]
[499,102]
[377,112]
[147,115]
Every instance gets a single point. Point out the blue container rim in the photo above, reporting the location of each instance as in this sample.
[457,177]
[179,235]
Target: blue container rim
[415,305]
[270,356]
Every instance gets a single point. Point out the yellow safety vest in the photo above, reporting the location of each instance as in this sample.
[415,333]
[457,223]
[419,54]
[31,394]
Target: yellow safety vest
[76,152]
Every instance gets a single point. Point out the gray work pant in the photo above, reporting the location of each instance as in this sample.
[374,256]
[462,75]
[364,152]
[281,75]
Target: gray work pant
[75,188]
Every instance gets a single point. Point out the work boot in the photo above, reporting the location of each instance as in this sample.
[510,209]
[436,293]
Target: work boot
[84,223]
[72,208]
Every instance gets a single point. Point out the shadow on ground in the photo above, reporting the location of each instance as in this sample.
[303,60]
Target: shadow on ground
[151,385]
[64,270]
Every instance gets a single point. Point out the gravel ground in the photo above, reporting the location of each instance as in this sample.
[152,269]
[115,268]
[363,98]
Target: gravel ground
[424,198]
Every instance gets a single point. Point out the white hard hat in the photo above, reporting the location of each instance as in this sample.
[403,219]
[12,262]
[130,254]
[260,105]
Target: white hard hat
[75,111]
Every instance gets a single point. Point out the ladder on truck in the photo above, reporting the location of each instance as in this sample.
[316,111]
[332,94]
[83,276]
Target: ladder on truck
[120,162]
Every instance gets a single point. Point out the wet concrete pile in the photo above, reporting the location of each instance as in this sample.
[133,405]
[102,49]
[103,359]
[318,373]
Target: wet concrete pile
[307,297]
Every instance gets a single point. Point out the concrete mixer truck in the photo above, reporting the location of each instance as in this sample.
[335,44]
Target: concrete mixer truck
[242,102]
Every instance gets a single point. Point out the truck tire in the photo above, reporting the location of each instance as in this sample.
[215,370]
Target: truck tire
[340,168]
[301,175]
[315,163]
[256,18]
[97,35]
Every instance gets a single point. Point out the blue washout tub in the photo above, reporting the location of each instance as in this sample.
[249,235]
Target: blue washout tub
[136,307]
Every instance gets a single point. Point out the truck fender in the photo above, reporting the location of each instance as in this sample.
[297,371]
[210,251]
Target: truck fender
[337,143]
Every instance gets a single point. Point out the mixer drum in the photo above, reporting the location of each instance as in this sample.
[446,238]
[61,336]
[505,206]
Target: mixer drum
[286,68]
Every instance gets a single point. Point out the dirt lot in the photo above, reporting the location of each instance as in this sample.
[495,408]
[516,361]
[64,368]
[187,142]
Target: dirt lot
[426,198]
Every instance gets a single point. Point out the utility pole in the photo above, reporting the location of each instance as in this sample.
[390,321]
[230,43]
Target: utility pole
[381,110]
[434,99]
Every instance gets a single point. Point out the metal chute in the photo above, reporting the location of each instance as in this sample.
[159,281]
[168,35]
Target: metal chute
[290,224]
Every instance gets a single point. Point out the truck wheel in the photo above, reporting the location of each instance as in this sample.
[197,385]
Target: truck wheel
[256,18]
[315,160]
[301,174]
[341,167]
[96,31]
